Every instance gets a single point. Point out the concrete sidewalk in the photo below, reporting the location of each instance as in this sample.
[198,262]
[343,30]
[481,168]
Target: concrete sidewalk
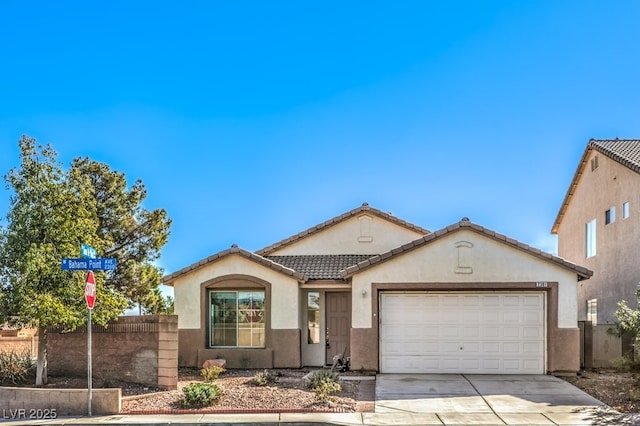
[426,399]
[350,419]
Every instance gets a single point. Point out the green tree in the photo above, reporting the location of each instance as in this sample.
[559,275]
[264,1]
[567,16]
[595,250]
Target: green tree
[628,323]
[51,213]
[126,231]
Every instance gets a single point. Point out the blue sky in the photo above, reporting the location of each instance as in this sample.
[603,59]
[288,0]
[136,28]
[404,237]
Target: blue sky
[252,121]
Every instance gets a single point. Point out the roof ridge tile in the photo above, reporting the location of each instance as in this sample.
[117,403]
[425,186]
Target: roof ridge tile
[338,219]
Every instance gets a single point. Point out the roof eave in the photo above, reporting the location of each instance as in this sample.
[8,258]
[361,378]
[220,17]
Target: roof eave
[364,208]
[582,272]
[572,188]
[170,279]
[594,144]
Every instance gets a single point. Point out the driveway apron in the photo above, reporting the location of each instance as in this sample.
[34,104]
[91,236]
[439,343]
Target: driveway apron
[488,399]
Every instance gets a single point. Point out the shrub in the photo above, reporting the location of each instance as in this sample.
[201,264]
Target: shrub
[626,363]
[263,378]
[323,383]
[325,388]
[211,373]
[197,395]
[317,377]
[15,368]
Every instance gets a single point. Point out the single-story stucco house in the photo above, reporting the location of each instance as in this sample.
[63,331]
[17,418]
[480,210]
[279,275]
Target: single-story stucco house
[392,296]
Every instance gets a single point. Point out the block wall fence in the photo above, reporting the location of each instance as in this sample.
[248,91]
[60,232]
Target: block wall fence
[137,349]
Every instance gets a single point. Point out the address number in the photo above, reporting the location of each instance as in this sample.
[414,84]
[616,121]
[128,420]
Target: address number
[541,284]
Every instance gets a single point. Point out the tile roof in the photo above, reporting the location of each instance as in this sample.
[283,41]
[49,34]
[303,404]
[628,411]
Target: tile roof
[169,279]
[320,267]
[623,151]
[583,273]
[365,208]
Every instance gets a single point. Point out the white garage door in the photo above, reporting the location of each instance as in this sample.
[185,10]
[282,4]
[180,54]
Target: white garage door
[479,333]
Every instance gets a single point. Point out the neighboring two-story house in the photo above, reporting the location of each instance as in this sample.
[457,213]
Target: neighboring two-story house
[598,226]
[392,296]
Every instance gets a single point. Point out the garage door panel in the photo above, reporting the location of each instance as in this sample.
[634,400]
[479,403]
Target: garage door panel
[511,348]
[450,316]
[490,332]
[490,301]
[511,301]
[490,316]
[532,365]
[470,300]
[511,332]
[531,332]
[491,347]
[430,316]
[510,316]
[450,300]
[462,333]
[532,301]
[532,348]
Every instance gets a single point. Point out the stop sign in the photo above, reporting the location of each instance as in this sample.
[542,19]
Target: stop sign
[90,290]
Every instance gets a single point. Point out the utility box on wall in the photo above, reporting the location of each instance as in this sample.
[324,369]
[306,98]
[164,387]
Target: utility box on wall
[136,349]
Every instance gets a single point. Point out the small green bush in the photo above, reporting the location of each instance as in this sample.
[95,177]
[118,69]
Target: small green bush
[211,373]
[323,383]
[317,377]
[15,367]
[198,395]
[626,363]
[263,378]
[325,388]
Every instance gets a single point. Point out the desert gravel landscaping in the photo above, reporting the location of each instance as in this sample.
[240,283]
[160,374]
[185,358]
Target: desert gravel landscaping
[620,390]
[288,393]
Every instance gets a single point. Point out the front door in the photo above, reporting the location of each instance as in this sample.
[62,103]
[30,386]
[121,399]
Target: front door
[338,319]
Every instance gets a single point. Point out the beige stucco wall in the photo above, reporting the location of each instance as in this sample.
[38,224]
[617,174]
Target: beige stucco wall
[615,266]
[284,291]
[490,261]
[357,235]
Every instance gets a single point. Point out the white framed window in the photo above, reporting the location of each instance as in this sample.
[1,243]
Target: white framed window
[610,216]
[237,318]
[625,210]
[590,238]
[592,311]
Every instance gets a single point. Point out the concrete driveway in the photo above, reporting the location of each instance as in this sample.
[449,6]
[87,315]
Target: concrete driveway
[451,399]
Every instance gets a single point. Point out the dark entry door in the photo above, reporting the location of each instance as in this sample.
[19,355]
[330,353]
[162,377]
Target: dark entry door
[338,314]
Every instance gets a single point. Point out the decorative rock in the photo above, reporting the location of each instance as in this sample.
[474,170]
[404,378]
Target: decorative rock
[222,363]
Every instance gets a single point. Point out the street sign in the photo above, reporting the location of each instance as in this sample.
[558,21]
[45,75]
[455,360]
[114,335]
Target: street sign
[99,264]
[88,252]
[90,290]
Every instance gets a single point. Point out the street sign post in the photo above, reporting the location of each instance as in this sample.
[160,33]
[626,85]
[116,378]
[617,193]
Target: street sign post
[89,262]
[90,297]
[84,264]
[87,251]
